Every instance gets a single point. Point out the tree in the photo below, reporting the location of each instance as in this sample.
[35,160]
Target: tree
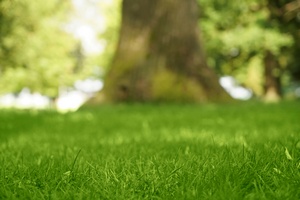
[159,55]
[35,51]
[286,14]
[112,14]
[272,85]
[244,40]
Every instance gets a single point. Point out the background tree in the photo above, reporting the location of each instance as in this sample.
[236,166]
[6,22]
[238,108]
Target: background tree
[35,52]
[112,14]
[286,14]
[244,40]
[159,56]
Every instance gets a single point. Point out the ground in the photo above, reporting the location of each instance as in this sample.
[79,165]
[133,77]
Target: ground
[154,151]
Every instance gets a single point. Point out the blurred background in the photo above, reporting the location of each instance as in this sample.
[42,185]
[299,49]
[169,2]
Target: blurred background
[55,54]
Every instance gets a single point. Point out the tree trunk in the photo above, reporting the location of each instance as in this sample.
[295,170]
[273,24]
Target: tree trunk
[159,55]
[272,86]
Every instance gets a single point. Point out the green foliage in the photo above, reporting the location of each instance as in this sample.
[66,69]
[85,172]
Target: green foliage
[253,77]
[238,32]
[241,151]
[35,52]
[112,13]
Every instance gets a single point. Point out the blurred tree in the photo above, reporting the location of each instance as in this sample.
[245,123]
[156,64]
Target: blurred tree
[287,14]
[159,56]
[35,52]
[112,13]
[244,40]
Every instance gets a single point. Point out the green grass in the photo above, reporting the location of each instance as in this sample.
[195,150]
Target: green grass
[234,151]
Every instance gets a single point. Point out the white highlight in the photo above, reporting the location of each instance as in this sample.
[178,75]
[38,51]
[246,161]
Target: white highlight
[68,100]
[86,24]
[25,100]
[297,92]
[89,85]
[234,90]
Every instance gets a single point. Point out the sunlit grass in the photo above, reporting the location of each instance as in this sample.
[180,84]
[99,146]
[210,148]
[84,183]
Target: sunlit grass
[238,151]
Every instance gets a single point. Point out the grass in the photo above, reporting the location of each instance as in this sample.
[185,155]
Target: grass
[234,151]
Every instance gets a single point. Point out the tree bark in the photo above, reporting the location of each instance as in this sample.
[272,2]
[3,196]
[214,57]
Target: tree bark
[272,87]
[159,55]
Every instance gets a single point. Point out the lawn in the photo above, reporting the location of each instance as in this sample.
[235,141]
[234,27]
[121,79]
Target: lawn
[231,151]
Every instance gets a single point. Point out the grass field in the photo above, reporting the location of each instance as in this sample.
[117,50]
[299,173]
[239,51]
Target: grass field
[233,151]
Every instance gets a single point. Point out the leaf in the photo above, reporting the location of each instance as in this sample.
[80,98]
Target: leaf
[298,145]
[288,155]
[277,170]
[67,173]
